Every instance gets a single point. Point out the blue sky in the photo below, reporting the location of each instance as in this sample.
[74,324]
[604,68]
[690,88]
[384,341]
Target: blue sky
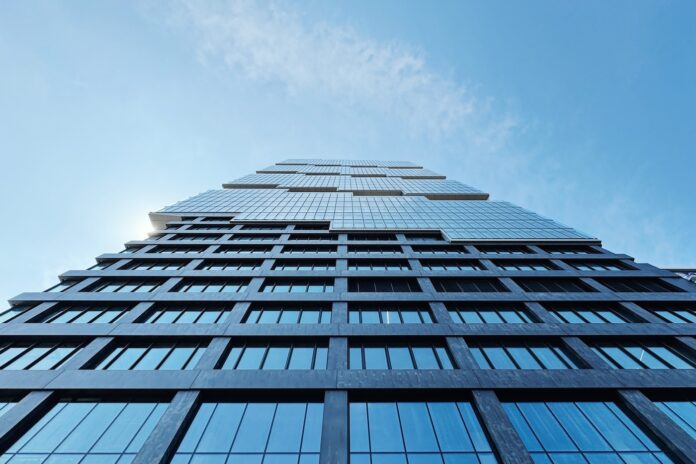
[580,111]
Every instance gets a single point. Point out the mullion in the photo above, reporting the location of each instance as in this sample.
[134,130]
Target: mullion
[121,453]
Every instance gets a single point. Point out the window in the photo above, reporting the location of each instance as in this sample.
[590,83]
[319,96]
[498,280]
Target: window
[683,413]
[295,356]
[374,249]
[62,286]
[598,265]
[255,238]
[241,249]
[525,265]
[569,250]
[209,227]
[208,237]
[156,265]
[83,314]
[587,313]
[270,313]
[521,355]
[36,355]
[276,433]
[399,356]
[212,286]
[178,249]
[554,285]
[312,227]
[638,285]
[468,285]
[129,250]
[503,249]
[124,286]
[309,249]
[88,432]
[383,285]
[183,313]
[481,313]
[263,227]
[423,237]
[10,313]
[588,431]
[451,265]
[297,286]
[303,265]
[378,313]
[425,433]
[439,249]
[102,264]
[675,313]
[642,355]
[215,219]
[372,237]
[153,356]
[374,265]
[6,404]
[313,237]
[229,265]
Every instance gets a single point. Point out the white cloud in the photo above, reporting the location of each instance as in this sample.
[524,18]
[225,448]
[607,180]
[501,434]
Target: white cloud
[272,43]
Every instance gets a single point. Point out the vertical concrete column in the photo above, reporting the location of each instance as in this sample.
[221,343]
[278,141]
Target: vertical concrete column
[504,437]
[338,354]
[162,442]
[27,411]
[334,429]
[461,354]
[584,352]
[339,313]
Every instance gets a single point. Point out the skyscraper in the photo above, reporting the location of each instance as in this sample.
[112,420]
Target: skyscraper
[335,311]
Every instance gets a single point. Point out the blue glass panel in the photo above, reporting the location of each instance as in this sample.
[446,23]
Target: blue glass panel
[49,437]
[276,358]
[385,431]
[416,427]
[195,430]
[375,358]
[400,358]
[301,358]
[311,440]
[83,437]
[123,429]
[614,431]
[286,432]
[449,427]
[473,426]
[578,427]
[425,358]
[221,428]
[254,429]
[251,358]
[359,440]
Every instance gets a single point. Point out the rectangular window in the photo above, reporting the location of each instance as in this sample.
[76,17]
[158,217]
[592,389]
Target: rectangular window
[86,431]
[185,313]
[243,249]
[587,313]
[312,227]
[396,355]
[210,227]
[598,265]
[140,356]
[521,355]
[288,313]
[36,355]
[102,264]
[381,313]
[229,265]
[383,285]
[293,356]
[503,249]
[179,249]
[155,265]
[439,249]
[212,286]
[483,313]
[569,250]
[423,433]
[683,413]
[639,285]
[642,355]
[304,265]
[314,237]
[206,237]
[468,285]
[62,286]
[255,238]
[378,265]
[75,313]
[251,433]
[308,249]
[588,432]
[374,249]
[520,265]
[451,265]
[423,237]
[297,286]
[372,237]
[568,285]
[10,313]
[263,227]
[676,313]
[124,286]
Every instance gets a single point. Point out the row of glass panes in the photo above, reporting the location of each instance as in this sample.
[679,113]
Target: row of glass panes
[194,313]
[433,432]
[533,353]
[379,284]
[363,265]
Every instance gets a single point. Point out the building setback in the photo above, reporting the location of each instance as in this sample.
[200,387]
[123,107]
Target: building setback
[336,311]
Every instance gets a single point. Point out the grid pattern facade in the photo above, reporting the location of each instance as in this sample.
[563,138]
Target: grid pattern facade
[266,326]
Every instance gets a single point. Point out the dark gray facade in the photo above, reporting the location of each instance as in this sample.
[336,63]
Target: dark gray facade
[378,309]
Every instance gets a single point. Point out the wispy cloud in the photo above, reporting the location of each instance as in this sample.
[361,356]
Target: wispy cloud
[274,43]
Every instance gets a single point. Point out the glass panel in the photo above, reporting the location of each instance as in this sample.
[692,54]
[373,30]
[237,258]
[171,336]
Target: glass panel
[417,429]
[400,358]
[375,358]
[385,433]
[251,358]
[301,358]
[276,358]
[254,429]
